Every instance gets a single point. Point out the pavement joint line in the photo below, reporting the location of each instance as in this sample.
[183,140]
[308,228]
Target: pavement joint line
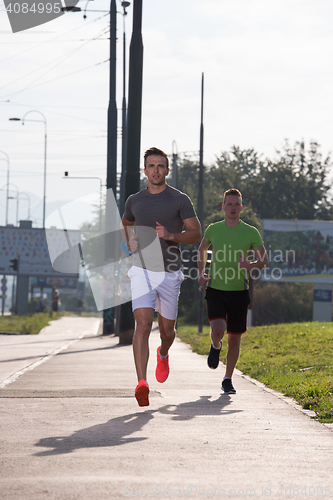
[31,367]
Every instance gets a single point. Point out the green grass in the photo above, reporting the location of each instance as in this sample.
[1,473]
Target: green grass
[26,324]
[33,323]
[295,359]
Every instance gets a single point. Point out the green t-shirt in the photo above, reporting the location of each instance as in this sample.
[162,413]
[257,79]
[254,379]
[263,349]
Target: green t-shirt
[230,243]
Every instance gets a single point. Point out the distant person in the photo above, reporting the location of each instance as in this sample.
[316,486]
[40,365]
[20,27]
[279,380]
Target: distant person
[227,293]
[79,306]
[166,210]
[55,301]
[40,305]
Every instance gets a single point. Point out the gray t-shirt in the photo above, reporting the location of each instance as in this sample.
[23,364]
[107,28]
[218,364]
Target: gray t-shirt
[169,208]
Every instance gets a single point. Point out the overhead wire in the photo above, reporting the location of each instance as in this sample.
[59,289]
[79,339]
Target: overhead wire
[70,139]
[52,39]
[62,58]
[6,103]
[69,74]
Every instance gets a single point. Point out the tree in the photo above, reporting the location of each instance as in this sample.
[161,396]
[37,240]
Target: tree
[294,185]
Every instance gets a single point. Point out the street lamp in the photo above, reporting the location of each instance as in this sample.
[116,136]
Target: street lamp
[28,200]
[174,178]
[13,197]
[100,192]
[200,206]
[112,118]
[45,148]
[4,276]
[123,119]
[8,166]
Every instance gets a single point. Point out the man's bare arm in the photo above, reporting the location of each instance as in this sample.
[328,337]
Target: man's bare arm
[190,236]
[260,263]
[202,258]
[128,234]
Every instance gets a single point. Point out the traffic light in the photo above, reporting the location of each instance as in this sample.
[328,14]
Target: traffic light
[14,264]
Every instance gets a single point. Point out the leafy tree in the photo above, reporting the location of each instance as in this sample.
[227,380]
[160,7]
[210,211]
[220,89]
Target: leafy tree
[293,185]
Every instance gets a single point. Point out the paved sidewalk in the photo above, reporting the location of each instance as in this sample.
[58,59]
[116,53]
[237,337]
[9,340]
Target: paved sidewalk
[71,429]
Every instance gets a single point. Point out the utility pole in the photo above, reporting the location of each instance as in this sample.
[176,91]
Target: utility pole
[174,178]
[111,175]
[201,198]
[132,175]
[123,121]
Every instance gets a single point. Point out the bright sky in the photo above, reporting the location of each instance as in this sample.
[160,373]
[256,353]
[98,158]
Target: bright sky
[268,76]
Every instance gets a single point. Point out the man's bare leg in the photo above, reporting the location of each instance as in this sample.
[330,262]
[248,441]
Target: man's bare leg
[233,353]
[218,328]
[167,333]
[144,320]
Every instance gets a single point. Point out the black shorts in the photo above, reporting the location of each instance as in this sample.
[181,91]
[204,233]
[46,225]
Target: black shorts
[230,306]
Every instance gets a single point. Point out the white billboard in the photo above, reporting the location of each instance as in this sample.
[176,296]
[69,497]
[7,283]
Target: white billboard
[32,249]
[298,250]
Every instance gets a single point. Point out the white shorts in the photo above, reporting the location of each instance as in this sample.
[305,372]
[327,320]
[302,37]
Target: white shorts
[157,290]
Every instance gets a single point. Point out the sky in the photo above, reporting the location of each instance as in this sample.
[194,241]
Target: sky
[268,77]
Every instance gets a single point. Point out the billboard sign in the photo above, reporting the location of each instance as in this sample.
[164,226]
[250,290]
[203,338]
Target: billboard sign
[298,250]
[32,249]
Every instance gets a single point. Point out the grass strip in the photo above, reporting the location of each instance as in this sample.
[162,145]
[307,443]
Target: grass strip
[33,323]
[27,324]
[294,359]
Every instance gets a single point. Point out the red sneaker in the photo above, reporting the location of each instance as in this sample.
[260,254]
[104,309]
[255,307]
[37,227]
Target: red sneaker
[141,393]
[162,368]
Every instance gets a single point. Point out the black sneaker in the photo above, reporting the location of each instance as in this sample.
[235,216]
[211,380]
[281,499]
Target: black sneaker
[213,357]
[228,387]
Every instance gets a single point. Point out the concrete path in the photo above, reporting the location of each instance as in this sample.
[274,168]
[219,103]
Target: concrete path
[71,429]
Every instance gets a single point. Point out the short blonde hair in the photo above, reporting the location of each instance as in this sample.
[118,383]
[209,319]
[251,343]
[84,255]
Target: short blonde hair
[231,192]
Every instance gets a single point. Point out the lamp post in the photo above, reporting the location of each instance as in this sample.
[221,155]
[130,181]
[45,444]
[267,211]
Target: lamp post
[100,192]
[174,178]
[17,204]
[45,148]
[123,119]
[201,198]
[13,198]
[132,176]
[8,168]
[4,276]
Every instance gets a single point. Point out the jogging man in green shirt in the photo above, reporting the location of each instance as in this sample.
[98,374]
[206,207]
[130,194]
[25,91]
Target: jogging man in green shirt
[227,293]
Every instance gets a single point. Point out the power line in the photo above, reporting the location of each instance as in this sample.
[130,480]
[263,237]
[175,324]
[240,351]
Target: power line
[61,59]
[57,41]
[68,74]
[52,39]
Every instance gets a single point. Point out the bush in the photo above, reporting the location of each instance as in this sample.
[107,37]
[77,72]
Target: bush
[69,303]
[275,303]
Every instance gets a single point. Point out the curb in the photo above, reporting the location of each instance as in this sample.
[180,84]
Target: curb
[286,399]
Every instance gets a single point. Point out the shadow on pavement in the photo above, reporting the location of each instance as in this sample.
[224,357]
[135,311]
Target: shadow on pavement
[202,407]
[111,433]
[115,431]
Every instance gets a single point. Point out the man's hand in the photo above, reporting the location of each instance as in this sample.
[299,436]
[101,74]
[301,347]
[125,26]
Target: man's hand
[162,232]
[203,279]
[244,263]
[133,244]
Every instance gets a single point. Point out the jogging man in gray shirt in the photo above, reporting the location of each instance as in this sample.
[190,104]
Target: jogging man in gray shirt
[158,213]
